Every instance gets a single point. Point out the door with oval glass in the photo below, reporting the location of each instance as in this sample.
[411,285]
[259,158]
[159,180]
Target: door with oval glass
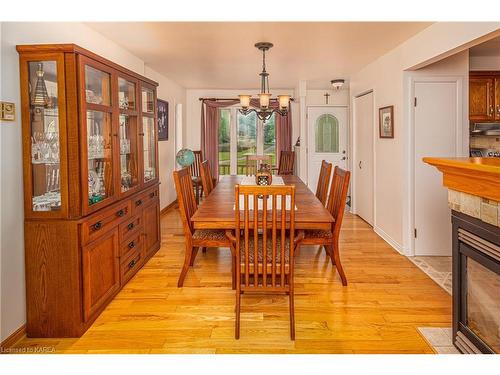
[327,140]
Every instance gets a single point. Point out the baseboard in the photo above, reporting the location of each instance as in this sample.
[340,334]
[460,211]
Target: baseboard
[394,244]
[168,207]
[14,338]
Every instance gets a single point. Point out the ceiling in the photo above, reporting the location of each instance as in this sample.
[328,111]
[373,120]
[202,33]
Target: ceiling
[489,48]
[221,55]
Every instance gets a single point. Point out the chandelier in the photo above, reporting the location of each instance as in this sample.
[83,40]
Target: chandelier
[264,111]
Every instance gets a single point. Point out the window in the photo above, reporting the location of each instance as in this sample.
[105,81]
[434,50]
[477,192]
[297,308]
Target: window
[327,134]
[270,138]
[241,136]
[247,139]
[224,141]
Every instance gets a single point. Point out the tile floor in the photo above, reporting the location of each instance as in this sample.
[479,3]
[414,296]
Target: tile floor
[439,338]
[437,268]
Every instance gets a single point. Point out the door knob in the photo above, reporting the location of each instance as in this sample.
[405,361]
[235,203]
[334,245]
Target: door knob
[359,164]
[343,158]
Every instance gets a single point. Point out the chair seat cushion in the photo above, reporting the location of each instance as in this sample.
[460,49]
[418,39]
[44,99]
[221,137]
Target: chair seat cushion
[210,235]
[251,251]
[317,233]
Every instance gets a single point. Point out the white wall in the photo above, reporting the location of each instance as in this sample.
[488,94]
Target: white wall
[455,66]
[173,94]
[485,62]
[386,77]
[13,306]
[192,128]
[337,97]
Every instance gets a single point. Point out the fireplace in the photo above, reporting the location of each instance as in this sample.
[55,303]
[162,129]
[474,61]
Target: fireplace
[476,285]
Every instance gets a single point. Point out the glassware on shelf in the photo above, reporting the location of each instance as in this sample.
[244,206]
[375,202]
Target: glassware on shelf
[99,154]
[149,157]
[97,86]
[45,148]
[148,101]
[45,143]
[128,151]
[126,94]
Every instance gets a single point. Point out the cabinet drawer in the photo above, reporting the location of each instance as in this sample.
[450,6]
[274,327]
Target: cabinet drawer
[142,200]
[98,224]
[130,228]
[131,246]
[130,267]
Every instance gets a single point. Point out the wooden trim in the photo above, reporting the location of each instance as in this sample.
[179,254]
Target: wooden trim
[483,73]
[14,337]
[73,48]
[165,209]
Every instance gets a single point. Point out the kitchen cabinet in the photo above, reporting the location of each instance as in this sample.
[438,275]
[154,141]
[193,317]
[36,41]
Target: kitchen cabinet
[484,96]
[497,99]
[90,164]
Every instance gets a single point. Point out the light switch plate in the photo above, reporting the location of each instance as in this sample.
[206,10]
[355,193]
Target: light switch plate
[7,111]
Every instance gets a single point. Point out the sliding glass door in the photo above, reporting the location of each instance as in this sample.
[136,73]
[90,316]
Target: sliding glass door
[243,136]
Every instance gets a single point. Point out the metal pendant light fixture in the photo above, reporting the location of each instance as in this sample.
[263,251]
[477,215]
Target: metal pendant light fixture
[264,111]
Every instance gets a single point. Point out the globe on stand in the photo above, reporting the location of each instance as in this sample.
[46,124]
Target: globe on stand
[184,157]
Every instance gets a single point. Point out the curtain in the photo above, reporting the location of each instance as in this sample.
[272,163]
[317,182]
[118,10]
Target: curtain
[210,118]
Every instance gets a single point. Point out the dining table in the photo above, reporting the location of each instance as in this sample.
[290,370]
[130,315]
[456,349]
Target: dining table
[217,210]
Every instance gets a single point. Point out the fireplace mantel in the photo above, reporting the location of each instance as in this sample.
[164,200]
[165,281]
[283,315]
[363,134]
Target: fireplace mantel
[476,176]
[474,197]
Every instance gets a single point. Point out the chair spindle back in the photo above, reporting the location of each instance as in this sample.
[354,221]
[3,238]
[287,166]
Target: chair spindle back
[207,180]
[338,196]
[265,229]
[186,199]
[287,161]
[323,181]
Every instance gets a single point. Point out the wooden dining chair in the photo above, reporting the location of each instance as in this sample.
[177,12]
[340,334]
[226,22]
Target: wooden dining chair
[264,243]
[207,181]
[323,181]
[336,206]
[287,161]
[253,162]
[194,170]
[199,238]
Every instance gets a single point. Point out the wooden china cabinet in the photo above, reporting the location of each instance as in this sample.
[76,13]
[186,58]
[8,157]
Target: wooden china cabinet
[90,183]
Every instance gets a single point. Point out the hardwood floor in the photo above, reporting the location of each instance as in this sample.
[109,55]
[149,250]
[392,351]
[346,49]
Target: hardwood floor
[387,298]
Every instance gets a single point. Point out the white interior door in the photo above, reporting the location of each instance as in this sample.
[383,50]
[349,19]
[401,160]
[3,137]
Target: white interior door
[436,120]
[327,140]
[363,156]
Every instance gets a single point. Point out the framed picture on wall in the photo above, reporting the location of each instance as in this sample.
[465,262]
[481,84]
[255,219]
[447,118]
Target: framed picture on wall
[386,122]
[162,120]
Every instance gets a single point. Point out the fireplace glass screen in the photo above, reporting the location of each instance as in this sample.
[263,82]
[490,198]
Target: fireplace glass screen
[483,304]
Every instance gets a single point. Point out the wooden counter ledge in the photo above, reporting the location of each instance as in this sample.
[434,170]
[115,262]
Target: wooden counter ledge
[476,176]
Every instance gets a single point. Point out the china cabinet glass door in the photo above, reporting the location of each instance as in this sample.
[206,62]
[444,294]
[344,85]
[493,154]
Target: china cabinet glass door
[99,130]
[149,135]
[45,139]
[128,132]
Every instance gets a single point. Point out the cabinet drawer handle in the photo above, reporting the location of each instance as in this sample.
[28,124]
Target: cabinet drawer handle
[130,226]
[97,225]
[131,245]
[132,264]
[152,195]
[138,202]
[120,213]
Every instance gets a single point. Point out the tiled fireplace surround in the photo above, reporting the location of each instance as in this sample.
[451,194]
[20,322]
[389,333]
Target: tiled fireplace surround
[480,208]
